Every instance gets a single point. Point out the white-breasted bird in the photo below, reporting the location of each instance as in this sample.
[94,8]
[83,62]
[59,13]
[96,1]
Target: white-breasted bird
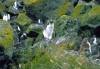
[39,21]
[48,31]
[20,66]
[15,6]
[23,35]
[6,17]
[89,46]
[18,28]
[95,41]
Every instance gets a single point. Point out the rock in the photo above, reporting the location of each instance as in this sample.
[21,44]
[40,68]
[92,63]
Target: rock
[6,17]
[60,40]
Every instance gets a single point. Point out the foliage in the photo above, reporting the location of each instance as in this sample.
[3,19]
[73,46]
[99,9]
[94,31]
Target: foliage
[49,9]
[91,17]
[65,24]
[2,7]
[29,2]
[6,34]
[46,54]
[53,57]
[81,9]
[23,19]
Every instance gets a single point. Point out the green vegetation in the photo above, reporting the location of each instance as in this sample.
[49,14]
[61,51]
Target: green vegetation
[6,34]
[2,7]
[23,19]
[58,58]
[92,16]
[29,2]
[77,10]
[36,52]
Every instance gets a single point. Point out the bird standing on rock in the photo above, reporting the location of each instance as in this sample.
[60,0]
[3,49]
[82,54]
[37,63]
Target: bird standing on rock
[48,31]
[95,41]
[15,6]
[6,17]
[89,46]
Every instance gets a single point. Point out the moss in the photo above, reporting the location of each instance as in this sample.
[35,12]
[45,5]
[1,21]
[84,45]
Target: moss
[95,10]
[29,2]
[92,17]
[6,34]
[28,42]
[77,10]
[2,7]
[62,9]
[80,10]
[93,20]
[49,8]
[23,19]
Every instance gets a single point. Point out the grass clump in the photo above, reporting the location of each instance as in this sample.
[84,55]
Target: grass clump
[56,57]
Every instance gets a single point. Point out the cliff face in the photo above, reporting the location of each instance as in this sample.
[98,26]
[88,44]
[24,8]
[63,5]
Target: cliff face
[75,38]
